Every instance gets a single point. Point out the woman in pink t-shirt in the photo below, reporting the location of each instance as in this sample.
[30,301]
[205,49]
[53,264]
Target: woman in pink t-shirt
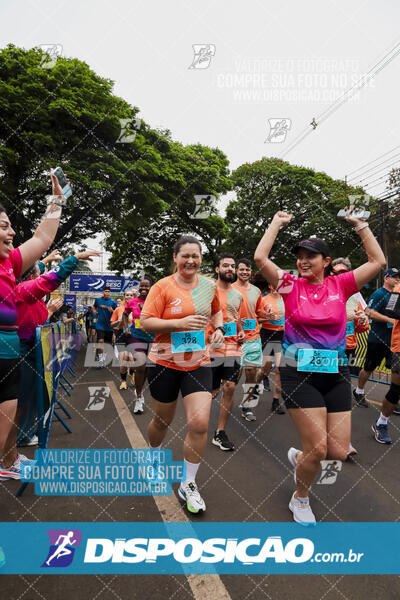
[314,373]
[13,262]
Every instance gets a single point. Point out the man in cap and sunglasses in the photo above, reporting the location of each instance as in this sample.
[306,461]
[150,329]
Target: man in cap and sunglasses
[379,340]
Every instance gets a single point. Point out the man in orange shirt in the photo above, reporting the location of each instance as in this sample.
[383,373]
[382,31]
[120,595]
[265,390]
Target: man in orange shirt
[252,349]
[227,358]
[380,428]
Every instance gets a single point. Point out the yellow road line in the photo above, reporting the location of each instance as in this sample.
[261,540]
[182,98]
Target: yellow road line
[202,586]
[374,402]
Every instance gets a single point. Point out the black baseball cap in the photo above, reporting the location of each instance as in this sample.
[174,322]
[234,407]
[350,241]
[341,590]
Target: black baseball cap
[314,245]
[392,273]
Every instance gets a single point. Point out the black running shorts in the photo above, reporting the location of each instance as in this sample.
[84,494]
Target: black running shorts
[313,390]
[271,341]
[121,338]
[104,335]
[9,378]
[165,383]
[375,355]
[225,372]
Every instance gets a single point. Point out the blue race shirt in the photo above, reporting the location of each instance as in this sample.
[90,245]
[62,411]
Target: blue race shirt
[379,333]
[104,315]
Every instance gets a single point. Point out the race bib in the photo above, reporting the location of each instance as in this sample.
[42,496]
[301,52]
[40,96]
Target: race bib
[230,329]
[317,361]
[390,325]
[137,323]
[249,324]
[349,327]
[280,322]
[188,341]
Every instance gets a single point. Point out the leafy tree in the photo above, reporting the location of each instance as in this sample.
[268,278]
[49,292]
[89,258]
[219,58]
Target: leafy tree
[269,185]
[390,219]
[137,186]
[193,170]
[69,116]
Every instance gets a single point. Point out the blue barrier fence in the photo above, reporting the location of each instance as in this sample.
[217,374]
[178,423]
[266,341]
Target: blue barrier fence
[55,349]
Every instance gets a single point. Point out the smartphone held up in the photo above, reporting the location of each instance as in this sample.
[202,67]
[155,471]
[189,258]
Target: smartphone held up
[358,213]
[62,180]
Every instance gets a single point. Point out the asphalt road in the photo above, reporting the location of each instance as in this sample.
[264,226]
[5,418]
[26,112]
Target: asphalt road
[253,483]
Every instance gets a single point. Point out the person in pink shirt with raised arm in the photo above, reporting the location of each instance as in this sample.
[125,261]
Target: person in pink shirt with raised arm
[32,312]
[314,373]
[13,262]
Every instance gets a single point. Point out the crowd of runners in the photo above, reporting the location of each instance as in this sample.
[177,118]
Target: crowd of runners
[198,335]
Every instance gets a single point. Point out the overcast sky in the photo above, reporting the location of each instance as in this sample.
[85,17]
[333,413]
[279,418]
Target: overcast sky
[267,60]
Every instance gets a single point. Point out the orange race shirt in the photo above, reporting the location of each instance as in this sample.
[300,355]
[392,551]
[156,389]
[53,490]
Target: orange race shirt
[168,300]
[117,315]
[232,306]
[252,302]
[395,344]
[278,307]
[352,305]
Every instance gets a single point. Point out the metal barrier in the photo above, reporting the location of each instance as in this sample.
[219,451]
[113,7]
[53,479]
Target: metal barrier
[55,348]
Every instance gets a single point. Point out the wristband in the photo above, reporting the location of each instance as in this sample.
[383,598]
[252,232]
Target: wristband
[59,200]
[362,226]
[222,329]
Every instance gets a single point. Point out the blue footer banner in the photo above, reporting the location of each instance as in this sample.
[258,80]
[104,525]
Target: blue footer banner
[186,548]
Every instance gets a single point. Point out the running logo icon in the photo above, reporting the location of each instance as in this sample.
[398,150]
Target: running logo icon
[51,52]
[330,470]
[175,302]
[278,130]
[63,543]
[203,54]
[203,205]
[128,130]
[97,397]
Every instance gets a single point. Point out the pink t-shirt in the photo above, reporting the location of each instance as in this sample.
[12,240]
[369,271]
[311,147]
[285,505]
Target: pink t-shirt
[10,270]
[134,306]
[316,314]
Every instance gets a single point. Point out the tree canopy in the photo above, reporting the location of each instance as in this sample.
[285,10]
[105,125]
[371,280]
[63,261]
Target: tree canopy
[314,198]
[131,182]
[138,186]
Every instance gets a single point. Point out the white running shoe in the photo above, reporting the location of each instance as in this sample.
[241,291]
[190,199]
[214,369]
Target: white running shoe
[190,493]
[301,510]
[292,458]
[34,441]
[139,405]
[101,362]
[351,451]
[14,472]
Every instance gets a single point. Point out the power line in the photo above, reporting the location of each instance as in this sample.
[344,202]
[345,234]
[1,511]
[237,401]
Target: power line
[374,169]
[372,161]
[377,68]
[369,186]
[361,182]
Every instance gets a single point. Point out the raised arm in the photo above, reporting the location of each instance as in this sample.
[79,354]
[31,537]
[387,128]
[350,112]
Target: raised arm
[376,259]
[45,233]
[261,256]
[54,255]
[32,290]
